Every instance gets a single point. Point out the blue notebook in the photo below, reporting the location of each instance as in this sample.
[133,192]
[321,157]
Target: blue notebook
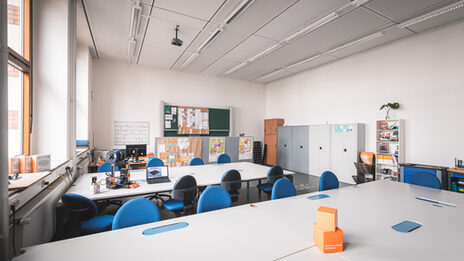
[320,196]
[406,226]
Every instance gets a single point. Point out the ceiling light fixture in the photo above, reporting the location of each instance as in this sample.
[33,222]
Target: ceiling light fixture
[433,14]
[270,74]
[359,2]
[189,60]
[131,49]
[238,67]
[238,10]
[313,26]
[357,42]
[303,62]
[135,21]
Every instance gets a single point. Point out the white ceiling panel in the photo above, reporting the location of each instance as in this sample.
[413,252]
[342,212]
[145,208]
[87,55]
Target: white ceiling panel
[397,10]
[298,16]
[224,42]
[258,14]
[276,60]
[450,17]
[248,48]
[312,64]
[389,36]
[341,30]
[274,77]
[199,64]
[202,9]
[217,68]
[157,49]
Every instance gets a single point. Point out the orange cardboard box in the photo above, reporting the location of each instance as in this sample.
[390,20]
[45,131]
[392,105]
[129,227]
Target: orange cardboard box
[25,164]
[13,165]
[327,218]
[328,241]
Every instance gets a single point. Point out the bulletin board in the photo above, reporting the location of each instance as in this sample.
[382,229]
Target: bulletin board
[177,152]
[131,132]
[218,120]
[192,120]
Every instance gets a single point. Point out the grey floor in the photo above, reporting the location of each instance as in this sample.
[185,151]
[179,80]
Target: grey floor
[304,183]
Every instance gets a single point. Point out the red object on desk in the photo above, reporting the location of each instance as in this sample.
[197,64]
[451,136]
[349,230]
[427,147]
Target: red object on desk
[134,185]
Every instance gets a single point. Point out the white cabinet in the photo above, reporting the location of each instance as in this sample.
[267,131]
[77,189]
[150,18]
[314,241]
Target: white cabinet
[336,147]
[319,149]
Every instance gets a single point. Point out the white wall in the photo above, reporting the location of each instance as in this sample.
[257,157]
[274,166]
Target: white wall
[133,93]
[424,73]
[49,133]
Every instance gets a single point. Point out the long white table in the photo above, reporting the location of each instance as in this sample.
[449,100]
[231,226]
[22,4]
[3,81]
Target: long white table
[204,174]
[282,230]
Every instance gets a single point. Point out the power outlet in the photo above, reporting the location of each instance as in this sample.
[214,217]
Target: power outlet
[15,203]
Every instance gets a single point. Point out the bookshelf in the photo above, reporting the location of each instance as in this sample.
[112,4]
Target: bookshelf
[389,149]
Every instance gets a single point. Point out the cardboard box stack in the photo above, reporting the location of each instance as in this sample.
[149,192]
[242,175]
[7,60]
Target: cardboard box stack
[327,235]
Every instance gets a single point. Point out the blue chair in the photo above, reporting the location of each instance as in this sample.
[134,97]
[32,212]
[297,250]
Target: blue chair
[283,188]
[213,198]
[231,181]
[328,181]
[155,162]
[223,158]
[274,173]
[425,179]
[84,212]
[184,192]
[136,212]
[106,167]
[196,162]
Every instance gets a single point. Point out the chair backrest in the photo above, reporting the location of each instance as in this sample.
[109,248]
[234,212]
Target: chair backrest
[196,161]
[231,181]
[425,179]
[213,198]
[136,212]
[185,189]
[155,162]
[223,158]
[80,205]
[328,181]
[274,173]
[283,188]
[106,167]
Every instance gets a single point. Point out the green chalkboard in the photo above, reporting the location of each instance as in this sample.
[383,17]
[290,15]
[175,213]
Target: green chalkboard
[219,122]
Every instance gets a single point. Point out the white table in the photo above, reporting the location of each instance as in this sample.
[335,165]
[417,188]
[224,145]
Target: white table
[282,230]
[204,174]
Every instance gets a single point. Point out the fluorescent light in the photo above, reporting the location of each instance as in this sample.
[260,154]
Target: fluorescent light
[433,14]
[135,21]
[359,2]
[238,10]
[303,62]
[263,53]
[208,40]
[236,68]
[357,42]
[270,74]
[313,26]
[189,60]
[131,49]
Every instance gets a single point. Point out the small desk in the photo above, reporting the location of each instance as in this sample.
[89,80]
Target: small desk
[204,174]
[454,173]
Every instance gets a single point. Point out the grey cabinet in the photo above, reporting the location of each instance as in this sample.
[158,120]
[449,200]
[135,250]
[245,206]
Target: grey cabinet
[319,149]
[293,148]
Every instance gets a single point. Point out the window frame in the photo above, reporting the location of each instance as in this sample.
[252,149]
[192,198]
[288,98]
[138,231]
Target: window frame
[24,64]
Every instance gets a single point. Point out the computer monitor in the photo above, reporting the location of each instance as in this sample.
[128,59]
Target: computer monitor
[138,150]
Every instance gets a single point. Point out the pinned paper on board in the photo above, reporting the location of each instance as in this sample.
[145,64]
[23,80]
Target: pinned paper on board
[193,120]
[217,146]
[131,132]
[167,124]
[245,148]
[176,152]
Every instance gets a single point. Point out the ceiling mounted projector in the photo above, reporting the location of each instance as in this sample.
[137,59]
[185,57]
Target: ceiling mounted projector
[176,41]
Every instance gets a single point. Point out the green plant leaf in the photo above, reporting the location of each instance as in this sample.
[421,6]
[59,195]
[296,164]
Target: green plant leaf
[383,106]
[395,106]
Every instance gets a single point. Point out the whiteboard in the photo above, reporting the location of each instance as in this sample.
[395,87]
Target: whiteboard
[131,132]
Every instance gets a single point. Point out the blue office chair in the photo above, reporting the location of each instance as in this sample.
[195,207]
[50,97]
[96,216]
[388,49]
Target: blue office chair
[196,162]
[425,179]
[106,167]
[155,162]
[213,198]
[274,173]
[84,211]
[223,158]
[328,181]
[136,212]
[231,181]
[184,192]
[283,188]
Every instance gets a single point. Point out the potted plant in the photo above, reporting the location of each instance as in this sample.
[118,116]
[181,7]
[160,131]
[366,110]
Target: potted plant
[388,107]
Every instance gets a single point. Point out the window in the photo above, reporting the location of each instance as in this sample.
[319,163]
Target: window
[19,83]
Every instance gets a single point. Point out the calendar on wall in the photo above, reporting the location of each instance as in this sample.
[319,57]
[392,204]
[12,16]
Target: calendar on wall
[131,132]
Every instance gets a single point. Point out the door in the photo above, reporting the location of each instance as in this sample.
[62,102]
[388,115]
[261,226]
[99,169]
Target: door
[284,147]
[300,149]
